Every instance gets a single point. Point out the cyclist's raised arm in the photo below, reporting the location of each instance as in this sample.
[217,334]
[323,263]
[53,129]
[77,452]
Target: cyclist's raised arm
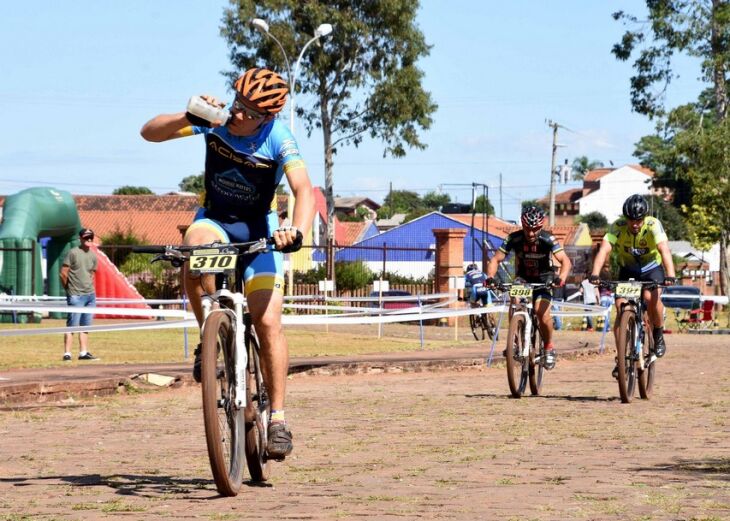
[603,252]
[166,126]
[667,261]
[304,205]
[498,257]
[565,265]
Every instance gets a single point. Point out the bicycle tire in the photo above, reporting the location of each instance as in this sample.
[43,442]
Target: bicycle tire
[536,370]
[489,324]
[624,348]
[517,371]
[257,414]
[476,327]
[224,423]
[646,375]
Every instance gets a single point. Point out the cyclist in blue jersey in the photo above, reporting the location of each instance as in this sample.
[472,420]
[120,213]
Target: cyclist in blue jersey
[534,250]
[474,286]
[245,160]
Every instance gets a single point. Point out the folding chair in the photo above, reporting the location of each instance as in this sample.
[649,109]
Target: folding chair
[702,318]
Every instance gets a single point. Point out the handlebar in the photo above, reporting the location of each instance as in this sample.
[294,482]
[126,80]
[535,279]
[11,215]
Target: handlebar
[611,284]
[178,255]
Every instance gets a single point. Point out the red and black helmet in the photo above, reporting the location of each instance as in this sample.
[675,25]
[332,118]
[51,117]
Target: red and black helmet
[533,217]
[265,89]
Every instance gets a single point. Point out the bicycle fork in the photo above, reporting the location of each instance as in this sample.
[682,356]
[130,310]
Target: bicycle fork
[241,354]
[528,334]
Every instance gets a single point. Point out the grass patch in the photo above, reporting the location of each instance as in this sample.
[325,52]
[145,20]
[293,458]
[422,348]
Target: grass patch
[167,345]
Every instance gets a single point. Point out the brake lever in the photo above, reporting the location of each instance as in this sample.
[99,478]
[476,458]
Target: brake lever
[175,257]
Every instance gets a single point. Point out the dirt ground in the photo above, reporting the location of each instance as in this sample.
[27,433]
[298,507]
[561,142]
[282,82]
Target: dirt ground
[428,445]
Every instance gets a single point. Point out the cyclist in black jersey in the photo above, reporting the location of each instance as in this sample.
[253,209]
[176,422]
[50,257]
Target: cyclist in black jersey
[534,252]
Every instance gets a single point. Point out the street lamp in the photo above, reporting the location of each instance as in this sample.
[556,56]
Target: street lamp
[321,31]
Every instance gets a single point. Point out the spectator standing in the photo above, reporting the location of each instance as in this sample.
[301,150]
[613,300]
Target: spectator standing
[590,298]
[606,302]
[77,278]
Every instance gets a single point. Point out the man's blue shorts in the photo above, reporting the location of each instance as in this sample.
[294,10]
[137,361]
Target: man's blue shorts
[80,301]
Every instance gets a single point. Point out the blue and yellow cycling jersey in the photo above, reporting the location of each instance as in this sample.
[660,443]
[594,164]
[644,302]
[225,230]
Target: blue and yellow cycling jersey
[242,172]
[639,251]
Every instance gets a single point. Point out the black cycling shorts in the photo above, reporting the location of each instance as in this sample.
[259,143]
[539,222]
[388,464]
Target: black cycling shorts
[654,275]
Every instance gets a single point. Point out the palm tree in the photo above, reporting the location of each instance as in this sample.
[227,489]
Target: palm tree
[582,165]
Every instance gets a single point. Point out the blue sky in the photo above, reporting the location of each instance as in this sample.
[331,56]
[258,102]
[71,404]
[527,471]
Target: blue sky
[80,78]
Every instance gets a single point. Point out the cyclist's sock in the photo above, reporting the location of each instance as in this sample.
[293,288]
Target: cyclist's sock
[278,416]
[549,346]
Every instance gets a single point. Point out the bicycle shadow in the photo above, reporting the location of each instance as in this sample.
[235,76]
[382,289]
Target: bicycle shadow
[706,468]
[144,486]
[569,398]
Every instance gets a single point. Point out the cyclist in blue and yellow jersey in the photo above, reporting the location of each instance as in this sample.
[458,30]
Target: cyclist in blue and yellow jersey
[643,254]
[246,158]
[534,252]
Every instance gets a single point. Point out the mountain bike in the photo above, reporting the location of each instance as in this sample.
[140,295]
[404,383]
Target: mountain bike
[235,401]
[482,325]
[525,352]
[635,356]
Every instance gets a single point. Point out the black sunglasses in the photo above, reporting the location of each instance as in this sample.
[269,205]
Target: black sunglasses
[247,112]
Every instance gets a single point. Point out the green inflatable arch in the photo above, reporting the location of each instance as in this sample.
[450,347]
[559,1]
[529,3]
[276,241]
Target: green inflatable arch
[27,216]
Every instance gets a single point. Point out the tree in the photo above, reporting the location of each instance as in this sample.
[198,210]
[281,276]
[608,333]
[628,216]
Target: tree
[193,183]
[594,220]
[434,201]
[693,150]
[402,201]
[532,202]
[132,190]
[582,165]
[697,29]
[483,205]
[362,80]
[674,224]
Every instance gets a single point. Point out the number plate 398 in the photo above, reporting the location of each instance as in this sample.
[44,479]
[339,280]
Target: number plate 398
[520,291]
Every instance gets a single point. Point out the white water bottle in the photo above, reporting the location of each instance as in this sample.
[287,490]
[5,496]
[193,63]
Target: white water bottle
[201,108]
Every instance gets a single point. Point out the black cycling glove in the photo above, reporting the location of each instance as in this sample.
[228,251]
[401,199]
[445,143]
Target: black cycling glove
[295,246]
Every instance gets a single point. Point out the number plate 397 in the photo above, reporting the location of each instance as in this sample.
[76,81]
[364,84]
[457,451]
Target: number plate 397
[628,290]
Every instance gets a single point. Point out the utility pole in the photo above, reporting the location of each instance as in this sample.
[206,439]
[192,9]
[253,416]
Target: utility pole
[501,215]
[554,126]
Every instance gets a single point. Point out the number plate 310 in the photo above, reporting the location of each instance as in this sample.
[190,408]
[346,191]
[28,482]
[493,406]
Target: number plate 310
[213,260]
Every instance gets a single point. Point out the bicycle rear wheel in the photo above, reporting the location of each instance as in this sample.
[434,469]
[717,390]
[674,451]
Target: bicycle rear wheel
[489,323]
[517,364]
[224,422]
[537,369]
[646,375]
[257,414]
[475,322]
[624,355]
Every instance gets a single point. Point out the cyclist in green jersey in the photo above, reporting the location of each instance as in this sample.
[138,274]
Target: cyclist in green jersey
[643,254]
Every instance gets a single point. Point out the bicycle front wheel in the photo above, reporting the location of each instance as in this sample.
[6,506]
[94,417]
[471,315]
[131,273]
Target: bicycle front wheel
[224,422]
[257,414]
[517,363]
[625,345]
[646,375]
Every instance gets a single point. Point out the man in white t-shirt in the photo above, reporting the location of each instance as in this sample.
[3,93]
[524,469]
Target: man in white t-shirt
[591,297]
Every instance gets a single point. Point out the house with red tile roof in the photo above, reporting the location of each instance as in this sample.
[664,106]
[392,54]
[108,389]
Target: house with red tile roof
[154,219]
[604,191]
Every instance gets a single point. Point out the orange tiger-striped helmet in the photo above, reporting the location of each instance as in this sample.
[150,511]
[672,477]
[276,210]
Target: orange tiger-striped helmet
[264,88]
